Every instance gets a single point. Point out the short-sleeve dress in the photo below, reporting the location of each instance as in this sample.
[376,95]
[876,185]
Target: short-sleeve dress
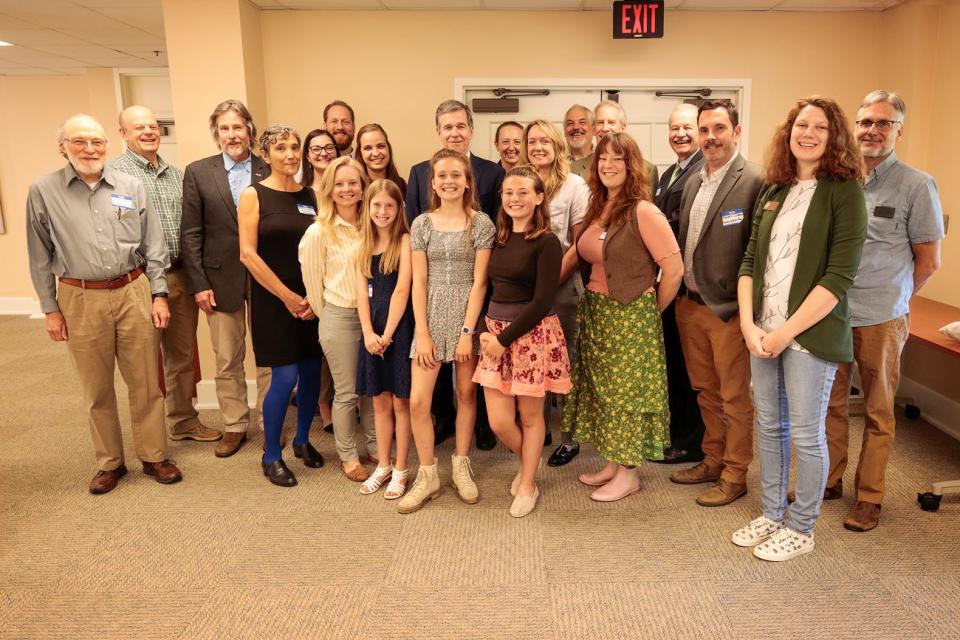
[450,261]
[278,337]
[390,373]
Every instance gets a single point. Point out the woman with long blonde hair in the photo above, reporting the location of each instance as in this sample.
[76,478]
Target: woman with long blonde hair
[328,253]
[567,196]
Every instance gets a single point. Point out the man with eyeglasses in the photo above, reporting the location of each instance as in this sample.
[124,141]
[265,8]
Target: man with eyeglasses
[93,229]
[164,186]
[901,252]
[210,245]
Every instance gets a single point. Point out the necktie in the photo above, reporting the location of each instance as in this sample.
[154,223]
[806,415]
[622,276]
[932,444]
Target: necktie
[676,174]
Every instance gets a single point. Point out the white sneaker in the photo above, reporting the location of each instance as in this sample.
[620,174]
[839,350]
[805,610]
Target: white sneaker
[784,545]
[755,532]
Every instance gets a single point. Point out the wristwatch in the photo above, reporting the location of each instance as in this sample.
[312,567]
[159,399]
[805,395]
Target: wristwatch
[467,331]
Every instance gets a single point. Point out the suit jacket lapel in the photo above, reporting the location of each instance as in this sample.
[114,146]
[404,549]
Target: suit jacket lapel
[726,185]
[223,183]
[258,170]
[692,165]
[694,181]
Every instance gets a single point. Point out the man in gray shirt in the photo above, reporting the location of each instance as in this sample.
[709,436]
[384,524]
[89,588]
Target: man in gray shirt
[164,186]
[900,254]
[91,228]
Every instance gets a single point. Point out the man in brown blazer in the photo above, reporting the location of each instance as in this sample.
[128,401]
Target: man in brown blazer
[210,245]
[716,211]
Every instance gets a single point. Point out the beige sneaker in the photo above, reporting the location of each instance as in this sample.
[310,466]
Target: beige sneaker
[425,487]
[462,478]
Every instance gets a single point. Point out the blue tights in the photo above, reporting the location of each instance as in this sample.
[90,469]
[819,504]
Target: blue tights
[305,375]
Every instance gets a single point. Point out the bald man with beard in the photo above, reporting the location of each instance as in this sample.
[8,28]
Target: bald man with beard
[91,230]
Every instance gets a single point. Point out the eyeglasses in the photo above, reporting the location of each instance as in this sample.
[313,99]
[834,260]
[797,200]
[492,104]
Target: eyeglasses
[882,125]
[328,149]
[97,143]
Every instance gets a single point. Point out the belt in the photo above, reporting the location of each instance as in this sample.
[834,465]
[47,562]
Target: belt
[116,283]
[693,295]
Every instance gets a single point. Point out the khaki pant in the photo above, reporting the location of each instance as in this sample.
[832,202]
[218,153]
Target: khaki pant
[107,325]
[228,333]
[877,349]
[718,364]
[176,343]
[340,337]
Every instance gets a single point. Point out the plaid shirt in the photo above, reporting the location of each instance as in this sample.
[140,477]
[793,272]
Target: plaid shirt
[164,187]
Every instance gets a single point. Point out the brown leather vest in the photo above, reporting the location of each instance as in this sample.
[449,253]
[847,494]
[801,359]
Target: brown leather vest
[628,264]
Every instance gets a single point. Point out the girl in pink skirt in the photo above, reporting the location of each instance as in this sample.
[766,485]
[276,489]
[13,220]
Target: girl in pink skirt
[523,352]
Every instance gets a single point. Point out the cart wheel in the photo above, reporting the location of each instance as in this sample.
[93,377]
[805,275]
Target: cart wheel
[929,501]
[912,411]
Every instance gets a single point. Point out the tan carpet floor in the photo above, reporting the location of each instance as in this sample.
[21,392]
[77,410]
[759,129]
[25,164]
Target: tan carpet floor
[224,554]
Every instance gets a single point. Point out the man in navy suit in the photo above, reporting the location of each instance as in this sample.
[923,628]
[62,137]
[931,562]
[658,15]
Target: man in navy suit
[686,423]
[455,129]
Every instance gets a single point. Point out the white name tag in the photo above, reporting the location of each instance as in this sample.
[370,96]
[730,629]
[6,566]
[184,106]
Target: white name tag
[658,192]
[732,217]
[306,210]
[122,201]
[603,235]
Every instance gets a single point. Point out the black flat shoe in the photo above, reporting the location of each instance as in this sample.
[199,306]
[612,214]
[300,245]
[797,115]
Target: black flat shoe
[279,474]
[484,437]
[672,455]
[563,455]
[548,439]
[311,457]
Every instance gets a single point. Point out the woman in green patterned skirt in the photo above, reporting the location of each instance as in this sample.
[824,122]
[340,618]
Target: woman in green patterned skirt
[619,396]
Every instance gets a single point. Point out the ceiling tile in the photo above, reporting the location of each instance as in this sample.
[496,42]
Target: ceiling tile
[51,13]
[99,4]
[323,5]
[36,58]
[532,5]
[119,38]
[149,19]
[433,4]
[39,71]
[38,38]
[727,5]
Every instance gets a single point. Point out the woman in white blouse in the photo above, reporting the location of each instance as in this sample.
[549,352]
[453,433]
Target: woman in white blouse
[567,198]
[327,256]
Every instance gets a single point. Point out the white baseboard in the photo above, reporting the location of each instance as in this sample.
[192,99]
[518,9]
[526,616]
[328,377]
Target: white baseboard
[938,410]
[20,307]
[207,395]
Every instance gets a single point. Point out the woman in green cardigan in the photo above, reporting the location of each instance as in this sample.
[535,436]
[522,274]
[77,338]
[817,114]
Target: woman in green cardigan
[803,254]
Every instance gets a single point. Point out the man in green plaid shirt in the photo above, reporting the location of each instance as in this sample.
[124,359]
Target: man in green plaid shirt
[164,186]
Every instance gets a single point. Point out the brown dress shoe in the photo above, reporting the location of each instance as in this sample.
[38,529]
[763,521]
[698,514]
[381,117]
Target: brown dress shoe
[231,443]
[697,474]
[721,493]
[863,516]
[830,493]
[198,432]
[164,472]
[106,481]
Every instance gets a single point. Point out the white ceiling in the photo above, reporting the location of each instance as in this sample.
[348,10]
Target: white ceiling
[65,37]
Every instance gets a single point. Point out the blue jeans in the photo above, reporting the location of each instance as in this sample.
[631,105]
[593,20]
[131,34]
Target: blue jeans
[790,394]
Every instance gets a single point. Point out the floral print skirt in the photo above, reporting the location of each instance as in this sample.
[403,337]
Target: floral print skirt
[532,365]
[619,396]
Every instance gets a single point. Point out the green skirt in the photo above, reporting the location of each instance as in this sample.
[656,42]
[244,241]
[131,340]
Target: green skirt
[619,396]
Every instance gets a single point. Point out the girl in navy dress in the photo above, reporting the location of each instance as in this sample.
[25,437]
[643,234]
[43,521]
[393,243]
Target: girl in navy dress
[386,318]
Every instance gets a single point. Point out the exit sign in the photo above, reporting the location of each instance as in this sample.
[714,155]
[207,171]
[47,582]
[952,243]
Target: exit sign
[638,19]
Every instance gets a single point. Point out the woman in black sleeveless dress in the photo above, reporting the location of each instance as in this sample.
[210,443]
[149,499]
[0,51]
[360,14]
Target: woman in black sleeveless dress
[272,217]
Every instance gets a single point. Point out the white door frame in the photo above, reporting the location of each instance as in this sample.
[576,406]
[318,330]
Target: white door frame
[462,85]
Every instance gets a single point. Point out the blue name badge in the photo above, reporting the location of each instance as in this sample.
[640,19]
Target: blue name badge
[122,201]
[306,210]
[732,217]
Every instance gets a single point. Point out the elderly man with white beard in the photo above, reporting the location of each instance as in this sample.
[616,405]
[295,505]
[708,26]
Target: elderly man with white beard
[91,228]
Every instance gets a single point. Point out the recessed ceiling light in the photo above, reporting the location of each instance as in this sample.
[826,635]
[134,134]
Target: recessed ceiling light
[5,44]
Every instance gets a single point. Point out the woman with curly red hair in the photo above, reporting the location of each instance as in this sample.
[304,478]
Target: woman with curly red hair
[803,254]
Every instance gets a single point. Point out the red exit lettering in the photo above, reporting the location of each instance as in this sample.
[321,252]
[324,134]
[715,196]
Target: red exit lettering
[638,18]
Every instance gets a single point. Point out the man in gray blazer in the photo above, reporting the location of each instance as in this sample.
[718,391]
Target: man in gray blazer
[716,211]
[210,247]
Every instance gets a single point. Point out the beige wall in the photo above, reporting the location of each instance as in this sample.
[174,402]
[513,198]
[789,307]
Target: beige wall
[31,111]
